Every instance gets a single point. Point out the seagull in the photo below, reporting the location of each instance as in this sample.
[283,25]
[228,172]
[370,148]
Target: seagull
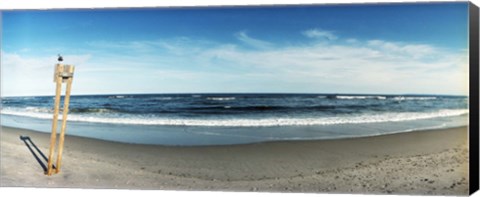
[60,58]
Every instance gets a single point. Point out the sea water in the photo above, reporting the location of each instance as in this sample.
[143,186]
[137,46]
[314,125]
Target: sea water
[217,119]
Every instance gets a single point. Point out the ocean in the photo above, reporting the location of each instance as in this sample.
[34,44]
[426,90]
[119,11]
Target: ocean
[219,119]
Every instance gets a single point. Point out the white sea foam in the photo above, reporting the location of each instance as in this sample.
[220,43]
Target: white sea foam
[361,97]
[352,97]
[401,98]
[246,122]
[163,98]
[443,125]
[381,97]
[398,98]
[117,97]
[39,109]
[221,98]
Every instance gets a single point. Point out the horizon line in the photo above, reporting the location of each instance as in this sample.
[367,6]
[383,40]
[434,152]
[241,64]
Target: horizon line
[290,93]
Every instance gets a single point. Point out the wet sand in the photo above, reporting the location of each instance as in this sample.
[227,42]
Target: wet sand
[423,162]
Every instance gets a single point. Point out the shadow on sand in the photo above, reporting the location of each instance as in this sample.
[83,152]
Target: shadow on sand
[28,142]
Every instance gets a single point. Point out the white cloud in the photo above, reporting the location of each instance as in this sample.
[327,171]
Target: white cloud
[391,68]
[413,50]
[260,44]
[187,65]
[134,45]
[25,75]
[319,33]
[351,40]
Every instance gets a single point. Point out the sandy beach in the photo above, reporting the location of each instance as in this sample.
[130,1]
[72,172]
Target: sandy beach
[425,162]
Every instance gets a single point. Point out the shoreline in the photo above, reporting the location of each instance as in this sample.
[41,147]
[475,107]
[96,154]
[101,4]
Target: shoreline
[240,144]
[418,162]
[212,135]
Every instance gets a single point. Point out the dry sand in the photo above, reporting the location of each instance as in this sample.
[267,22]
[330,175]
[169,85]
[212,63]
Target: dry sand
[426,162]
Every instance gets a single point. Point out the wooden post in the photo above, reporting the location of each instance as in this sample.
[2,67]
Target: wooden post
[63,73]
[53,136]
[68,69]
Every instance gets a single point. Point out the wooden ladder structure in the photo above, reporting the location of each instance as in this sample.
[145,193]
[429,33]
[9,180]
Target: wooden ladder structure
[62,74]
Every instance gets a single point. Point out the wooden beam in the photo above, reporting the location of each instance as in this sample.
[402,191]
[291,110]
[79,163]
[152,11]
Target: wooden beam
[64,118]
[53,136]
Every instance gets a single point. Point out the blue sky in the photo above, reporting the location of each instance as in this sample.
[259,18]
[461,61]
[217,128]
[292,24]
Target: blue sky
[392,48]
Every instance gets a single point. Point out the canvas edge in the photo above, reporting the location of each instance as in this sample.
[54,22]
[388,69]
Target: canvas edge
[474,98]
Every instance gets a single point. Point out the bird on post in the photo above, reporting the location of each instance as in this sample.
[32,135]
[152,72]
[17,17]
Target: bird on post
[60,58]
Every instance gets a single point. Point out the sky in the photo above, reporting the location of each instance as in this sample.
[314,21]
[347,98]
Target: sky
[375,49]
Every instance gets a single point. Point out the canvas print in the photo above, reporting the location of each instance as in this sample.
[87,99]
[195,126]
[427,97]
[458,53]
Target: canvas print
[360,98]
